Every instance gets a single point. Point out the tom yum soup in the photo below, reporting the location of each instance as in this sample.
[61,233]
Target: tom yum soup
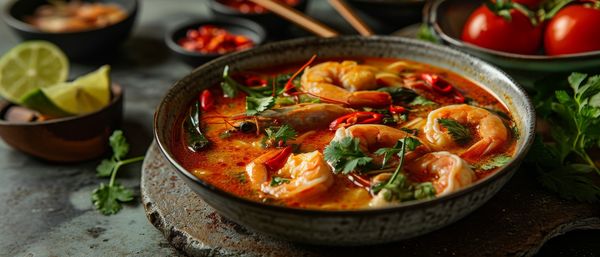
[344,133]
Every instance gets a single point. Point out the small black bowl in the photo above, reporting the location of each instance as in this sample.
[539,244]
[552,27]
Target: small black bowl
[398,13]
[248,28]
[269,20]
[77,45]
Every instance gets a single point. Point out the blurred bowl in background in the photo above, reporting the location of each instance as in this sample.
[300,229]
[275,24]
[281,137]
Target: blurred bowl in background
[78,44]
[270,21]
[247,28]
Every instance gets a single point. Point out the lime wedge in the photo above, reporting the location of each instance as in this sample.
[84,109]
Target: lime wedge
[31,65]
[86,94]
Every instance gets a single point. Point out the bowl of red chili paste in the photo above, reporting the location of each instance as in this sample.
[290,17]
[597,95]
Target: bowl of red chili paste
[197,42]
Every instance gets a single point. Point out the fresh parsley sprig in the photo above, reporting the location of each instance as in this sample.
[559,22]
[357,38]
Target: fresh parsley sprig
[564,165]
[398,187]
[345,156]
[459,132]
[107,197]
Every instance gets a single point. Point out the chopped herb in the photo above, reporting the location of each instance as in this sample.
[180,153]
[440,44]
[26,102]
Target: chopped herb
[419,100]
[231,87]
[276,181]
[501,114]
[564,165]
[107,198]
[345,155]
[241,177]
[256,105]
[413,132]
[398,186]
[279,135]
[514,131]
[426,33]
[291,100]
[387,153]
[459,133]
[400,94]
[496,162]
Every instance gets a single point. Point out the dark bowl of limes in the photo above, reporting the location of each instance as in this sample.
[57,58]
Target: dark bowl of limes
[48,117]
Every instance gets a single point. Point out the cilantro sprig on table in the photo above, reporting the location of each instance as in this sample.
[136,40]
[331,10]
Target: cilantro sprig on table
[564,164]
[107,198]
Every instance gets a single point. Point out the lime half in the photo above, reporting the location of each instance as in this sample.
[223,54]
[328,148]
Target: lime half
[86,94]
[31,65]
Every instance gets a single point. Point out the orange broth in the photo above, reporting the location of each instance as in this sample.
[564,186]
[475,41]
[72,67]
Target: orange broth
[223,163]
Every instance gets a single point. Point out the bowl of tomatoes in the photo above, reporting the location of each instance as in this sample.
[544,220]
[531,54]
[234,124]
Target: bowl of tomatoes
[525,37]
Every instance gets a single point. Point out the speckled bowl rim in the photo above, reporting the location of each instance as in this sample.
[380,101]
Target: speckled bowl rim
[507,170]
[17,23]
[431,18]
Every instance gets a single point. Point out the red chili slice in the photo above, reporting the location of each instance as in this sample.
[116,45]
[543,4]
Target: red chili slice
[356,118]
[206,100]
[396,109]
[279,160]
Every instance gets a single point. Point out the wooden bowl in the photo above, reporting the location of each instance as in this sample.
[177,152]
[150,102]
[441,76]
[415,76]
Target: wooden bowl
[69,139]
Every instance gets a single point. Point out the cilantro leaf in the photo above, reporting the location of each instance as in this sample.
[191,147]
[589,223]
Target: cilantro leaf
[119,145]
[459,133]
[229,85]
[495,162]
[105,168]
[345,155]
[276,181]
[107,198]
[398,187]
[279,135]
[256,105]
[389,152]
[419,100]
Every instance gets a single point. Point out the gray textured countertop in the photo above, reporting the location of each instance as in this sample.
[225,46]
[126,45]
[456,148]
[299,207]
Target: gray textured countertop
[45,208]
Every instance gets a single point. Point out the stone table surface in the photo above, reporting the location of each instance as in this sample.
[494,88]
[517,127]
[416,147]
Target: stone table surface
[45,208]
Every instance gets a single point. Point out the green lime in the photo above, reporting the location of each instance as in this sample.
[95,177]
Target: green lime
[86,94]
[31,65]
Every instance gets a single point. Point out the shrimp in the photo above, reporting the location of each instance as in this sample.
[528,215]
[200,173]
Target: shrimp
[492,132]
[373,136]
[301,117]
[449,171]
[308,175]
[346,82]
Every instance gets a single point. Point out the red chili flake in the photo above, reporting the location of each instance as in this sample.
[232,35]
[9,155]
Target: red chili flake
[396,109]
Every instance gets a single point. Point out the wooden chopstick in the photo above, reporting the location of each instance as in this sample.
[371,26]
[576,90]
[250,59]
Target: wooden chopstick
[298,18]
[346,11]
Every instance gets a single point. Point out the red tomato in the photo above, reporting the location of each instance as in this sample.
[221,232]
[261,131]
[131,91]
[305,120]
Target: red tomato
[574,29]
[486,29]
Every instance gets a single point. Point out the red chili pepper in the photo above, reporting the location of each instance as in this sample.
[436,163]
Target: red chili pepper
[279,160]
[396,109]
[359,180]
[441,86]
[356,118]
[206,100]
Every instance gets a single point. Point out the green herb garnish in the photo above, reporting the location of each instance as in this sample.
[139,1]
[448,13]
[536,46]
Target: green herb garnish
[398,186]
[194,138]
[279,135]
[256,105]
[276,181]
[387,153]
[564,165]
[345,155]
[420,100]
[107,198]
[459,133]
[496,162]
